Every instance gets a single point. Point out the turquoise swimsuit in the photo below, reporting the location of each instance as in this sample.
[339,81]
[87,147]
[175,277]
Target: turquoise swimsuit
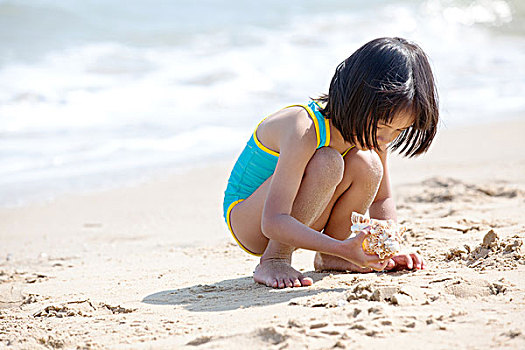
[257,163]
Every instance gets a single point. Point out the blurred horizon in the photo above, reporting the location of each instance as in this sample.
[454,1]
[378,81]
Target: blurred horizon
[100,93]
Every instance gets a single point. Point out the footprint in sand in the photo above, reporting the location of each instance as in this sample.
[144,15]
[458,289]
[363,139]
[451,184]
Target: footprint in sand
[401,296]
[474,287]
[442,189]
[84,308]
[261,338]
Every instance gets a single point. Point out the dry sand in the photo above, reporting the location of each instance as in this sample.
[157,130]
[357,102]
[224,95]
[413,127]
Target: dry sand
[153,266]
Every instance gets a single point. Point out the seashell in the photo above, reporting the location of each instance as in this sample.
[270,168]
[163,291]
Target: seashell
[384,238]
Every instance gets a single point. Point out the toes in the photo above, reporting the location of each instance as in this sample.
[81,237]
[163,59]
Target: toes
[280,275]
[306,281]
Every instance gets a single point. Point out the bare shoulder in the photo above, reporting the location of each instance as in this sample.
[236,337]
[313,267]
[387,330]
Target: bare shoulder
[293,132]
[289,127]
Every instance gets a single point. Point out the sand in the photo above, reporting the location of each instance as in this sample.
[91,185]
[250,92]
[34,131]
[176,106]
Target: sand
[153,266]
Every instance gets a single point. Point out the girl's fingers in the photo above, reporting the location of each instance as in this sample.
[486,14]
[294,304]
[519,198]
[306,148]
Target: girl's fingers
[362,235]
[391,264]
[376,259]
[378,266]
[409,262]
[375,266]
[418,261]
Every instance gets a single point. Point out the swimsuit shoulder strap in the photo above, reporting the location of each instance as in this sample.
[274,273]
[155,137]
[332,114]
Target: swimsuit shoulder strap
[322,128]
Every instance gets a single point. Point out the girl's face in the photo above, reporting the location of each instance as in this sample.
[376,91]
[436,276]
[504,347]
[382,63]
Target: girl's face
[388,132]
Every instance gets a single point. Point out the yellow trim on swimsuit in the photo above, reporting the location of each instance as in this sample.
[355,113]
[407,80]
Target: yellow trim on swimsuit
[231,229]
[344,154]
[260,145]
[316,123]
[327,128]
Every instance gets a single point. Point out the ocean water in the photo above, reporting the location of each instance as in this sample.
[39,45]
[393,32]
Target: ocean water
[100,93]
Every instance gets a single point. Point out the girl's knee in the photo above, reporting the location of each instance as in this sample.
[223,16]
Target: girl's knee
[363,166]
[327,165]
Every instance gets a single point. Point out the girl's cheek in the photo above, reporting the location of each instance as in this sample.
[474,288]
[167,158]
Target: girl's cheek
[382,137]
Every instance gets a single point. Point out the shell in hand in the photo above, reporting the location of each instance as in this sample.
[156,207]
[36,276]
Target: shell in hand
[384,238]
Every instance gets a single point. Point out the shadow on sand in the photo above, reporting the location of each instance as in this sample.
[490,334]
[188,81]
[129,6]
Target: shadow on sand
[233,294]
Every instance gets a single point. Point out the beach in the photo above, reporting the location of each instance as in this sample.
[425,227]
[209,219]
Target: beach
[120,123]
[153,266]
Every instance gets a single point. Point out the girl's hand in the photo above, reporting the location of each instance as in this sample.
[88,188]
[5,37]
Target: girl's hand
[353,252]
[405,260]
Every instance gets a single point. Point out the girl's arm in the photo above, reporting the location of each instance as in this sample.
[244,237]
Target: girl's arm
[384,207]
[297,146]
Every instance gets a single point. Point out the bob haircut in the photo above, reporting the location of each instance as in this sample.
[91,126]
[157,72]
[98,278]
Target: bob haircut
[383,78]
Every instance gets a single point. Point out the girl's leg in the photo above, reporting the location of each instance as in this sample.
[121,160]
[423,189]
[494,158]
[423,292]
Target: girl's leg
[323,173]
[361,179]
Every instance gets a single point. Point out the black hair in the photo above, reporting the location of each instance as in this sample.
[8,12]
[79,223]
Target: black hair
[384,77]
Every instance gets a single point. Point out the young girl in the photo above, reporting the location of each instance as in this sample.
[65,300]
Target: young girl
[306,168]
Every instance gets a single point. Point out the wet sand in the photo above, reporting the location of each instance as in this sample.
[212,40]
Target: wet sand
[153,266]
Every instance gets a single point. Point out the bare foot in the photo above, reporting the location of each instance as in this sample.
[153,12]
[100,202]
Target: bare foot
[278,273]
[324,262]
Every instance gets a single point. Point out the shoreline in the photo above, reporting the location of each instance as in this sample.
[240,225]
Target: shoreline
[145,176]
[78,187]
